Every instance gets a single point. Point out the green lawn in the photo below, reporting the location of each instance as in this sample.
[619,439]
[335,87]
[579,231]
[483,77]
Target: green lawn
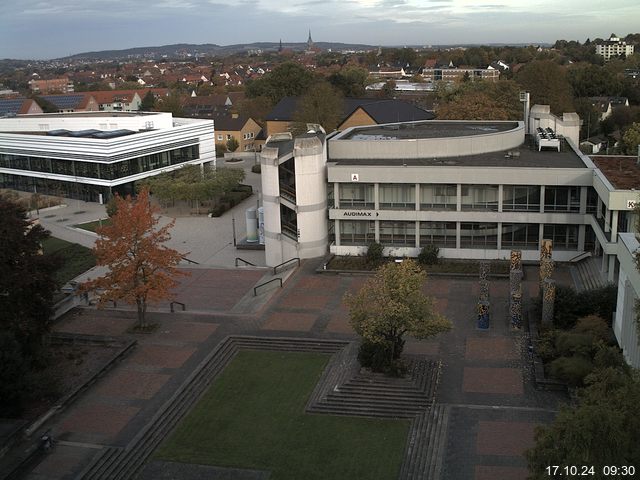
[76,259]
[253,417]
[92,226]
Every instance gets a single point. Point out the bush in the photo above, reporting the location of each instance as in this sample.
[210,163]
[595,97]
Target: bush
[571,370]
[382,358]
[374,254]
[428,255]
[610,357]
[256,168]
[569,305]
[14,368]
[569,343]
[594,326]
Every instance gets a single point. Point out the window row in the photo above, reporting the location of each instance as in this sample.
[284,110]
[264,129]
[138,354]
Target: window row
[473,197]
[105,171]
[472,234]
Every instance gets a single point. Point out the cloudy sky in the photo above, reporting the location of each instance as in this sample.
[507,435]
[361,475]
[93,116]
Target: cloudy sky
[48,29]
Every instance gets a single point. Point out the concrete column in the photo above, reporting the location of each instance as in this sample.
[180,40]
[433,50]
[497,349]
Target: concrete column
[417,195]
[500,232]
[603,265]
[458,229]
[612,268]
[540,234]
[500,190]
[336,231]
[417,234]
[583,200]
[377,229]
[614,225]
[459,203]
[599,208]
[336,195]
[376,197]
[582,232]
[541,202]
[607,220]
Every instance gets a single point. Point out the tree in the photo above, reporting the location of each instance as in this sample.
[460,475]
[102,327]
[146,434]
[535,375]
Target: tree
[388,89]
[481,100]
[141,268]
[603,430]
[390,305]
[286,80]
[172,103]
[27,282]
[232,144]
[322,104]
[548,84]
[631,139]
[148,102]
[351,81]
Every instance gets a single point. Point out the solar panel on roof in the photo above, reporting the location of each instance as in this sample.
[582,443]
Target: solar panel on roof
[11,105]
[84,133]
[112,134]
[64,102]
[60,132]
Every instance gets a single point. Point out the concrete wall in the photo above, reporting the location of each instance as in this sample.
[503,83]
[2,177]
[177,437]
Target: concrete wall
[82,121]
[428,147]
[624,325]
[274,252]
[567,126]
[356,119]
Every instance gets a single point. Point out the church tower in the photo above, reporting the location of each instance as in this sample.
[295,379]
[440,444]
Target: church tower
[309,42]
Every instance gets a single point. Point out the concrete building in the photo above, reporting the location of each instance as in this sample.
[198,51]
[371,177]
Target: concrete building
[613,47]
[53,85]
[93,154]
[457,74]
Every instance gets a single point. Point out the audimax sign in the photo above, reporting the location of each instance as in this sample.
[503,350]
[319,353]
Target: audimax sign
[359,213]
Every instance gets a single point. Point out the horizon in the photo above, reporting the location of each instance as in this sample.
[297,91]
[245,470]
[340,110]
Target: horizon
[71,27]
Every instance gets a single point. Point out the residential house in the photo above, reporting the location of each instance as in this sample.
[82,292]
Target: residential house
[614,47]
[50,86]
[243,129]
[357,112]
[18,106]
[73,102]
[605,105]
[451,73]
[118,100]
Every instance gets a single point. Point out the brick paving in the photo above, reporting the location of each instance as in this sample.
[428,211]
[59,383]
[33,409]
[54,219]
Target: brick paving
[484,380]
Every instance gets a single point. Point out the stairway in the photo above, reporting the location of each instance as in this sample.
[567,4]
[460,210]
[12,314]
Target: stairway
[586,274]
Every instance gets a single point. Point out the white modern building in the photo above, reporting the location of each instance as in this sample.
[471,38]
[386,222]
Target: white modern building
[614,47]
[90,155]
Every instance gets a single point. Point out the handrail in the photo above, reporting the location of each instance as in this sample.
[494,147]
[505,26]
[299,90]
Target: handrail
[190,261]
[579,257]
[178,303]
[285,262]
[245,261]
[255,289]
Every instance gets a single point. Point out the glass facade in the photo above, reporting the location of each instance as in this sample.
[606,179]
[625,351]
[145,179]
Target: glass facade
[565,237]
[356,195]
[480,197]
[354,232]
[438,197]
[398,233]
[478,235]
[397,196]
[561,199]
[520,235]
[103,171]
[440,234]
[521,198]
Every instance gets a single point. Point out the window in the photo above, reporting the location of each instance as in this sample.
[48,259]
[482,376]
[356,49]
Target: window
[359,195]
[438,197]
[480,197]
[397,196]
[517,198]
[220,137]
[398,233]
[440,234]
[357,232]
[479,235]
[561,199]
[564,237]
[521,235]
[229,137]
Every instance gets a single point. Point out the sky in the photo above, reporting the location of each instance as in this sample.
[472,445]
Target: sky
[42,29]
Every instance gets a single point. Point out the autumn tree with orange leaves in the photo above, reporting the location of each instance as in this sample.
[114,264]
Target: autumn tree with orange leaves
[141,268]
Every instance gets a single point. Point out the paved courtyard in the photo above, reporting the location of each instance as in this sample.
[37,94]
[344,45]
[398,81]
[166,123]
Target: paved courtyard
[485,379]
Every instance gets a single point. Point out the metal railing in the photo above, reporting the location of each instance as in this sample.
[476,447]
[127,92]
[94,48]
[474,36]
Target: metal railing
[296,259]
[579,257]
[190,261]
[255,289]
[246,262]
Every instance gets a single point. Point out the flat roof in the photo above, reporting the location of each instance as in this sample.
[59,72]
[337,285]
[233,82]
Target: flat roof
[427,129]
[526,155]
[88,114]
[623,172]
